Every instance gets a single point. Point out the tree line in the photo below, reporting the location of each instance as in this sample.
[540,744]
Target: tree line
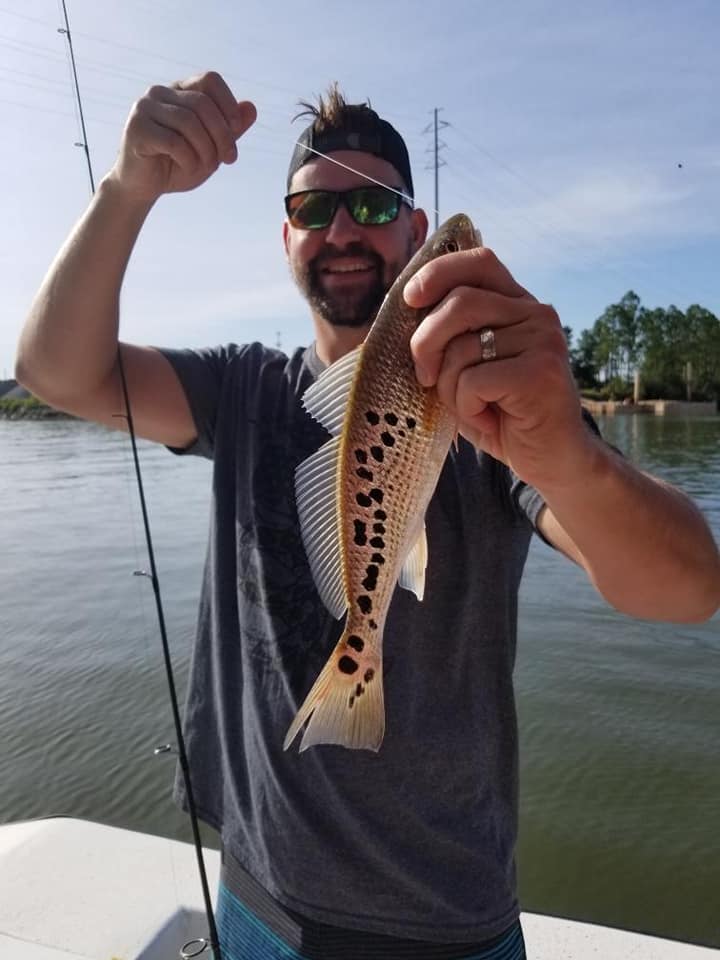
[676,353]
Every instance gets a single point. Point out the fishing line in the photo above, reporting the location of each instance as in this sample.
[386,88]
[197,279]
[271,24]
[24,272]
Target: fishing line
[194,947]
[405,196]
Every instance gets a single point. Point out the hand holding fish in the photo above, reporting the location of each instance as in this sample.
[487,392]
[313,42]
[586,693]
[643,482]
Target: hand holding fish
[521,407]
[177,136]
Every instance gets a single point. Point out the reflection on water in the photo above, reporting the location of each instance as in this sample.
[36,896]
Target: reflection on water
[619,718]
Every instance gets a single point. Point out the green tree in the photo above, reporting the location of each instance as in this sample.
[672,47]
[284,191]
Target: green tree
[582,360]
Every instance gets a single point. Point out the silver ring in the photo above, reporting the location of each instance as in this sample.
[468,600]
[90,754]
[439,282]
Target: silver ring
[487,344]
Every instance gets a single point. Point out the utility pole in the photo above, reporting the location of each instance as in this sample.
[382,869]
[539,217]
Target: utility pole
[437,146]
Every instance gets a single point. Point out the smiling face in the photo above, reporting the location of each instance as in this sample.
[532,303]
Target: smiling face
[345,269]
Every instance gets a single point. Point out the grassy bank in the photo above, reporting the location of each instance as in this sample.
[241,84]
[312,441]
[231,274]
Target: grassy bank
[29,408]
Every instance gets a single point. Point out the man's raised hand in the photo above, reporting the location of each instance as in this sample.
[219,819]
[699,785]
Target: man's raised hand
[177,136]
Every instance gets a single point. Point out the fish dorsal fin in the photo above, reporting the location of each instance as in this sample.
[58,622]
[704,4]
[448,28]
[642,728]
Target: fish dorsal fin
[315,492]
[326,399]
[412,574]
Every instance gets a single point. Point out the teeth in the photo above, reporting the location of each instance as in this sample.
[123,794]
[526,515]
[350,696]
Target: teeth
[351,268]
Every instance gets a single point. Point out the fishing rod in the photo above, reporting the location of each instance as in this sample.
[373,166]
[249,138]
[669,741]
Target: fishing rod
[193,948]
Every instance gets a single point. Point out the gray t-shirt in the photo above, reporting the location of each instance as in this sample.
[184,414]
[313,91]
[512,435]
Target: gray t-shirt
[417,840]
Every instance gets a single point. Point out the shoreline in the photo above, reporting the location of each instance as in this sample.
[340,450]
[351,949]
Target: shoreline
[658,408]
[31,410]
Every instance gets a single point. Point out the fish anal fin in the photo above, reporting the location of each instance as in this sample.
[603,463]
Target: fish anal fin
[412,573]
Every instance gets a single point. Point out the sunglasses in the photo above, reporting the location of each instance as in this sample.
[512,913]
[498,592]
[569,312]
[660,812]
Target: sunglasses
[368,206]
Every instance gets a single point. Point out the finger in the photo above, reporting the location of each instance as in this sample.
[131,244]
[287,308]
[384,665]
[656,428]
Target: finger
[478,267]
[217,126]
[187,124]
[467,351]
[149,133]
[467,309]
[515,385]
[167,143]
[208,113]
[239,115]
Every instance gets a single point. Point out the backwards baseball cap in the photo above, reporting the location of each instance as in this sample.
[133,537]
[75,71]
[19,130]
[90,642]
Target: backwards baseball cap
[361,130]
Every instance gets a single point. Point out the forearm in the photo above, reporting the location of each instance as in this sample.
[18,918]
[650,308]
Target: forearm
[643,543]
[68,345]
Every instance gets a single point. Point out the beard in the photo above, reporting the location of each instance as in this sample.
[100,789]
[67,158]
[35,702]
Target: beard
[346,308]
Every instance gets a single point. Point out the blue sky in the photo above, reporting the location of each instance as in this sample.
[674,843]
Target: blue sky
[567,125]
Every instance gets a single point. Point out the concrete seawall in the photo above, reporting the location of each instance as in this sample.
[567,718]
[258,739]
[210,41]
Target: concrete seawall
[660,408]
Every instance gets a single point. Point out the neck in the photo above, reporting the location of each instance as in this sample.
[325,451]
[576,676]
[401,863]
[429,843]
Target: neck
[331,342]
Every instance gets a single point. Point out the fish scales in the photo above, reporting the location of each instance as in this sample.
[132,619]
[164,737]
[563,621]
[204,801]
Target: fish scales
[380,469]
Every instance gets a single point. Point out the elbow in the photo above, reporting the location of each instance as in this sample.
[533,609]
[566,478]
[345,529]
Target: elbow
[22,372]
[709,593]
[26,375]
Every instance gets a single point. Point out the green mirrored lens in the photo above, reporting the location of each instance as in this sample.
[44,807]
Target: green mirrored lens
[373,205]
[315,210]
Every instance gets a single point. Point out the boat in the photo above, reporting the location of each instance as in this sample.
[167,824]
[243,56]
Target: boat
[72,889]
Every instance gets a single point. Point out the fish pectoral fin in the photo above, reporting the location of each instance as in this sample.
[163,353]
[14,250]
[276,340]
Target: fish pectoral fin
[412,573]
[315,494]
[327,398]
[344,708]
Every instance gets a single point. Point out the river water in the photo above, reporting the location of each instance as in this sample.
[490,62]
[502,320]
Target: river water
[619,719]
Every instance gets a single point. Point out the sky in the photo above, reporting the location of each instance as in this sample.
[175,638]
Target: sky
[582,139]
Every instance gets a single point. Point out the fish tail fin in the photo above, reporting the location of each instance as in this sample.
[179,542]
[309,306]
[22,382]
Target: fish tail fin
[345,705]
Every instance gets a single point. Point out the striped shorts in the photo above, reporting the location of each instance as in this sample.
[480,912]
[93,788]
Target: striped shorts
[244,936]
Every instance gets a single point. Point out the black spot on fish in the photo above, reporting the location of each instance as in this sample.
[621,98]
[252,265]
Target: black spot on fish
[372,418]
[370,581]
[351,701]
[391,419]
[377,542]
[363,499]
[411,422]
[377,453]
[379,528]
[359,689]
[377,495]
[360,533]
[365,603]
[373,625]
[377,558]
[369,674]
[387,438]
[347,664]
[361,456]
[402,433]
[364,473]
[380,515]
[357,643]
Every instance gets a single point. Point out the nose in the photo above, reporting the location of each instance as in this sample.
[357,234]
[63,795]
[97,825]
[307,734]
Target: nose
[342,229]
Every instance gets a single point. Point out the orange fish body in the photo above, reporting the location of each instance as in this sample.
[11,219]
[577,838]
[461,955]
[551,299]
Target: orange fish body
[362,500]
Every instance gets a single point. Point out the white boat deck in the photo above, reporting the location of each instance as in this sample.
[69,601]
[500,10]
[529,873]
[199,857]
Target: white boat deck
[74,890]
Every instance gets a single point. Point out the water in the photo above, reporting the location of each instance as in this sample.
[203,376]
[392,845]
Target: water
[619,719]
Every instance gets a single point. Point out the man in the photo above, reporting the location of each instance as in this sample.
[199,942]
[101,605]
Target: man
[335,853]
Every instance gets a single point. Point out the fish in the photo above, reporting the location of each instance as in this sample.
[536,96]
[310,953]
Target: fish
[362,498]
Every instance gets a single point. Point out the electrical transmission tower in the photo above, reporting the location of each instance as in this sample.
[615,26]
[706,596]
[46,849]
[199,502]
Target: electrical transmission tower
[438,162]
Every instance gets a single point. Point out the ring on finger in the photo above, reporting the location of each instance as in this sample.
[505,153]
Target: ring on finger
[488,349]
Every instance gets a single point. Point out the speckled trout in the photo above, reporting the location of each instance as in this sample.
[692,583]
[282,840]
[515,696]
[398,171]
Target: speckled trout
[362,499]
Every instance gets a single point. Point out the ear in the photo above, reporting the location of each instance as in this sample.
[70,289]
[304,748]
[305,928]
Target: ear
[419,226]
[285,233]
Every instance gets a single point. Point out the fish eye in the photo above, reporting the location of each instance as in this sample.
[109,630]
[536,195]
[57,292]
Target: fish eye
[449,246]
